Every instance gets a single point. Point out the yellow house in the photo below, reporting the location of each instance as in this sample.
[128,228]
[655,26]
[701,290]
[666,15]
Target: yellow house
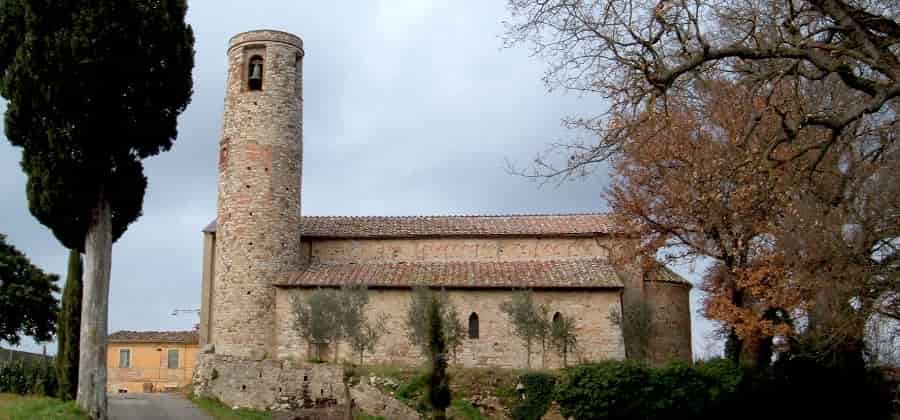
[150,361]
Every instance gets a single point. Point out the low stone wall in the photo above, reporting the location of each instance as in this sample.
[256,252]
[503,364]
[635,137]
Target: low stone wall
[286,385]
[267,384]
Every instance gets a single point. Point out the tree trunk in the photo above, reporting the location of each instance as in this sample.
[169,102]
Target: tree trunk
[733,345]
[348,412]
[92,360]
[528,354]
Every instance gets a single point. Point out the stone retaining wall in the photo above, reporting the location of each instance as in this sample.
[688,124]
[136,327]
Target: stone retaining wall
[285,385]
[267,384]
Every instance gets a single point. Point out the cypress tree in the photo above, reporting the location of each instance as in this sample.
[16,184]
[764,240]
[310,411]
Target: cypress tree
[93,88]
[438,381]
[69,330]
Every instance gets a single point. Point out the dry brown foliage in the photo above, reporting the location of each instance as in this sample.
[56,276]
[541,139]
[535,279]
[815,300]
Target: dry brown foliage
[696,181]
[761,134]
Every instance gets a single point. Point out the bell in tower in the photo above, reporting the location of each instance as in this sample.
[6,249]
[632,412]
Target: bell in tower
[254,82]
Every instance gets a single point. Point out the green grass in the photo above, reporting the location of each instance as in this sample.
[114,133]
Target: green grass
[27,407]
[464,384]
[220,411]
[464,410]
[364,416]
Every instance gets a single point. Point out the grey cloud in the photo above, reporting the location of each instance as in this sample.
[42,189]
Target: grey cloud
[408,109]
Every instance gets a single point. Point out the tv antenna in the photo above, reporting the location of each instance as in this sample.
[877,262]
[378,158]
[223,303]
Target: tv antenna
[176,312]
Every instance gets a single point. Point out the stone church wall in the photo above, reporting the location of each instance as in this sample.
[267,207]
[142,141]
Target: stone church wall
[598,338]
[346,251]
[670,306]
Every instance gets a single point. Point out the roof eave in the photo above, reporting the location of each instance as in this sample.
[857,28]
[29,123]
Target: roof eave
[470,236]
[460,287]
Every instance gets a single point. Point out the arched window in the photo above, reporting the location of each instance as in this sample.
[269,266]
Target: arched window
[557,318]
[255,73]
[473,326]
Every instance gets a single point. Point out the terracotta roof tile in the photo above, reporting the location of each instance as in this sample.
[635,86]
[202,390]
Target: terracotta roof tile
[189,337]
[412,226]
[665,275]
[576,274]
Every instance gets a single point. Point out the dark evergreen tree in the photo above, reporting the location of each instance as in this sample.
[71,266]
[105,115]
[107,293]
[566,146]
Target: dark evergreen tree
[69,330]
[27,304]
[93,87]
[438,381]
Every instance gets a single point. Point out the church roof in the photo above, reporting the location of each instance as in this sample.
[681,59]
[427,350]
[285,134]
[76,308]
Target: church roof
[437,226]
[666,275]
[189,337]
[559,274]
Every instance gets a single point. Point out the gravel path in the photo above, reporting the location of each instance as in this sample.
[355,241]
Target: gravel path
[156,406]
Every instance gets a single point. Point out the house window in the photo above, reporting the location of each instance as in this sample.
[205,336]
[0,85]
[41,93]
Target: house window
[255,73]
[473,326]
[173,359]
[124,358]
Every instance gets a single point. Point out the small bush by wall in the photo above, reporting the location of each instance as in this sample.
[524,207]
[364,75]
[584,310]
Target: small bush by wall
[538,390]
[608,390]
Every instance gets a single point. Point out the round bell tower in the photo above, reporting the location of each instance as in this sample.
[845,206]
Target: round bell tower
[258,215]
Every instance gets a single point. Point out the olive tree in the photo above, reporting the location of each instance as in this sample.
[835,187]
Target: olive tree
[318,319]
[328,316]
[563,336]
[529,321]
[417,326]
[361,333]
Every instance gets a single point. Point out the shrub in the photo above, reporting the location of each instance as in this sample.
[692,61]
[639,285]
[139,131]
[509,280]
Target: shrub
[464,410]
[804,387]
[413,393]
[538,391]
[606,390]
[678,391]
[412,389]
[792,389]
[22,377]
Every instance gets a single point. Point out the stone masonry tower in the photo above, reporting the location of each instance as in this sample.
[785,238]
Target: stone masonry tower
[260,160]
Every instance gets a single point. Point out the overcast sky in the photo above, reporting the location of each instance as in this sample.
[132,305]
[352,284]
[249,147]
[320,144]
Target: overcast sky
[411,108]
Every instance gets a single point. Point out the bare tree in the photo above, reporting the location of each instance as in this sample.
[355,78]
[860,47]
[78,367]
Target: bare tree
[639,53]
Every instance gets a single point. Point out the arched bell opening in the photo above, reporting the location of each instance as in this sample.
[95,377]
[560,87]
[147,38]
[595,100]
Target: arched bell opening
[255,73]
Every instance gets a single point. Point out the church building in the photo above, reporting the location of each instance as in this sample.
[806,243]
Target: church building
[260,253]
